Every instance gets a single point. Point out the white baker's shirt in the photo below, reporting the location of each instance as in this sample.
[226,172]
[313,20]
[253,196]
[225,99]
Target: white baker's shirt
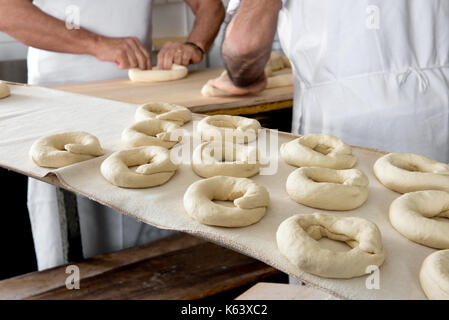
[374,73]
[113,18]
[102,229]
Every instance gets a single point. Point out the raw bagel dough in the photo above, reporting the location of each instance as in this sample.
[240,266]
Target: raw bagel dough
[318,150]
[277,62]
[62,149]
[151,132]
[225,159]
[228,128]
[434,275]
[163,111]
[411,214]
[154,167]
[297,240]
[156,75]
[249,198]
[408,172]
[277,81]
[4,90]
[328,189]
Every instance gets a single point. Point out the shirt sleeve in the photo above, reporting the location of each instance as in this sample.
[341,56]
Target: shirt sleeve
[232,7]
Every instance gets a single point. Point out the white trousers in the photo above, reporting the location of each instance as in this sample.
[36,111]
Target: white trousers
[103,229]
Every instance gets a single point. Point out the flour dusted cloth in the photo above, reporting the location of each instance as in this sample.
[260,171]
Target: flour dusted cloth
[163,206]
[102,229]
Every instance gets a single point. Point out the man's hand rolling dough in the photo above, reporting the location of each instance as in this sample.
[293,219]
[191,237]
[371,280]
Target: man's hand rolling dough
[224,83]
[178,53]
[126,53]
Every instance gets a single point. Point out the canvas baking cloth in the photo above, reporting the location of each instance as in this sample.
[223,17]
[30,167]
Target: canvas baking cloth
[33,112]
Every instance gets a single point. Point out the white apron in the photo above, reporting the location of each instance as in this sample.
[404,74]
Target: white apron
[374,73]
[102,229]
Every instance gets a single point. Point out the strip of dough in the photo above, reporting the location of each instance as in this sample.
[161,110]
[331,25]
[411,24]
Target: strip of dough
[4,90]
[281,80]
[277,62]
[156,75]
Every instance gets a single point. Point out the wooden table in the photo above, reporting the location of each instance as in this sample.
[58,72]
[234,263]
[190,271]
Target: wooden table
[186,92]
[176,267]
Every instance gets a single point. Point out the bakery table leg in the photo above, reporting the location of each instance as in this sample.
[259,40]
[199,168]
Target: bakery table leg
[70,227]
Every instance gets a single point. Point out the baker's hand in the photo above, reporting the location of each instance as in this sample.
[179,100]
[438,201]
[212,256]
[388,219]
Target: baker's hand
[178,53]
[224,83]
[126,53]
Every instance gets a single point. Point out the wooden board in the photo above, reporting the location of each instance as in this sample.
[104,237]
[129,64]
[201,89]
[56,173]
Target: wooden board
[35,283]
[177,267]
[280,291]
[186,92]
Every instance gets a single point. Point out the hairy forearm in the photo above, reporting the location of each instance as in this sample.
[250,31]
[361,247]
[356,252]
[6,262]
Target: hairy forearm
[29,25]
[248,41]
[209,14]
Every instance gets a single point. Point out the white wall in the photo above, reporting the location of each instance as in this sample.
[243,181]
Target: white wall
[10,49]
[171,18]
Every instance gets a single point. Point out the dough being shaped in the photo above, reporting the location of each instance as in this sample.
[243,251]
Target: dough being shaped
[229,128]
[154,167]
[280,80]
[434,275]
[277,62]
[4,90]
[318,150]
[407,172]
[297,239]
[328,189]
[156,75]
[163,111]
[63,149]
[413,214]
[151,132]
[250,200]
[225,159]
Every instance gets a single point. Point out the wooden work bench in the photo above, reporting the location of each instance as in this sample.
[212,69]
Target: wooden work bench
[272,107]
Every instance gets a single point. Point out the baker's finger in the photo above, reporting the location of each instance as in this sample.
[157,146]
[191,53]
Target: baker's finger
[132,59]
[140,58]
[160,59]
[145,53]
[168,59]
[122,60]
[186,57]
[178,58]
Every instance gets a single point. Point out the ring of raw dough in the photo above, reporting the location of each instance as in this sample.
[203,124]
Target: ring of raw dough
[154,167]
[156,75]
[163,111]
[434,275]
[297,239]
[4,90]
[318,150]
[151,132]
[276,62]
[328,189]
[412,215]
[215,158]
[229,128]
[407,172]
[250,200]
[63,149]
